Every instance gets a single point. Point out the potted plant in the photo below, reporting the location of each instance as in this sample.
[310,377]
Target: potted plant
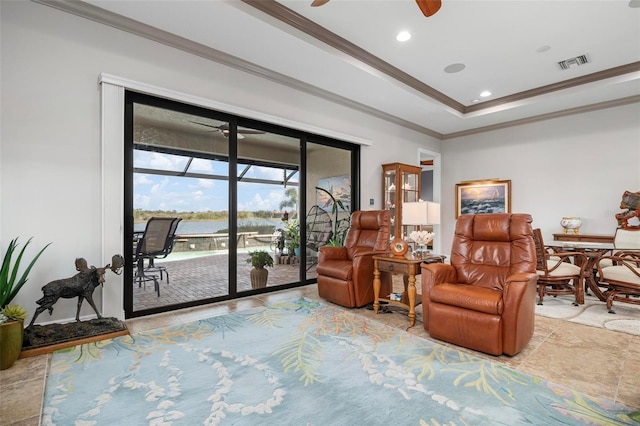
[12,316]
[259,259]
[292,237]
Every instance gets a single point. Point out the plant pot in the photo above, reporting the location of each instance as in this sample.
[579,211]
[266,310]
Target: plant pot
[296,251]
[11,335]
[259,277]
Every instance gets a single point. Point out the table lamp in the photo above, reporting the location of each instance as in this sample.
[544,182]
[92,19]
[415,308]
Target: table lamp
[421,213]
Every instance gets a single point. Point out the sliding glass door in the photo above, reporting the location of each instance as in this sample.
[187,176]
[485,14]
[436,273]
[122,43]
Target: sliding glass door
[234,187]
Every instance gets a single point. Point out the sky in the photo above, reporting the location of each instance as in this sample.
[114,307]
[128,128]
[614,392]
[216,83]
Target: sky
[155,192]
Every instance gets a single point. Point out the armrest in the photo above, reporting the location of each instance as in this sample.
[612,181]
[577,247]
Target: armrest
[365,251]
[628,259]
[519,288]
[581,260]
[437,273]
[522,277]
[331,253]
[432,275]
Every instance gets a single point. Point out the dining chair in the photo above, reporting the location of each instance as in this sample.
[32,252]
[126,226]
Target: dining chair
[559,272]
[622,279]
[156,242]
[625,239]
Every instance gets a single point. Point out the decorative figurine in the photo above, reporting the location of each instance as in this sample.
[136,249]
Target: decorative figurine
[631,202]
[81,285]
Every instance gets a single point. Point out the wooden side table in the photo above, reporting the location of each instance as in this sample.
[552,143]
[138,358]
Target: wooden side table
[408,266]
[584,238]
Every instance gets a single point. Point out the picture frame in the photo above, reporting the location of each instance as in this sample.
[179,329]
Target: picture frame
[483,196]
[340,189]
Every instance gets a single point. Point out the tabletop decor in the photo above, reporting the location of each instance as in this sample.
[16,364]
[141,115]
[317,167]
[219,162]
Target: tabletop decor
[421,238]
[418,214]
[307,363]
[483,196]
[571,224]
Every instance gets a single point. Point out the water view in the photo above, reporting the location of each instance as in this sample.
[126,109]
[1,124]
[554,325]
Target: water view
[214,226]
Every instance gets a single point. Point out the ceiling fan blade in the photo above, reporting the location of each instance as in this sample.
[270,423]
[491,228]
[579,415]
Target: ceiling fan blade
[250,132]
[429,7]
[317,3]
[206,125]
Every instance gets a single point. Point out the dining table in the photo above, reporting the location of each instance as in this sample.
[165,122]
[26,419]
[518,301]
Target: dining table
[593,251]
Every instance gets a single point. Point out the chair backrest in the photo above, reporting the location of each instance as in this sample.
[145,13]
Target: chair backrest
[541,257]
[370,229]
[488,248]
[627,239]
[158,236]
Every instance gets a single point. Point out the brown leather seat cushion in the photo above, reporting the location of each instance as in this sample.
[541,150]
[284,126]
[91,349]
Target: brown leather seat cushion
[475,298]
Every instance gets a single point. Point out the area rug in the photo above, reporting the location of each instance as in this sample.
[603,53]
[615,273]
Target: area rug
[300,362]
[593,313]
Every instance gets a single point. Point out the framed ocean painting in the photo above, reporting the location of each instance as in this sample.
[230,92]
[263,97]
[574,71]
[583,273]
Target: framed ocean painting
[483,196]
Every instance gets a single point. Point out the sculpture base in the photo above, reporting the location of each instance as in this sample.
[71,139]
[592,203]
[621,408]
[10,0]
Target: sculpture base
[40,339]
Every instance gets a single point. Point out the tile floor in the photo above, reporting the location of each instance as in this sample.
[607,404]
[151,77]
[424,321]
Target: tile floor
[595,361]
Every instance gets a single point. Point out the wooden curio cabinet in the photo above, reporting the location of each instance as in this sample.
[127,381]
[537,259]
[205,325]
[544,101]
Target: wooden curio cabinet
[400,183]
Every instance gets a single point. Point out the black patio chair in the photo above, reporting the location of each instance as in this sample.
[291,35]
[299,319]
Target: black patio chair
[156,242]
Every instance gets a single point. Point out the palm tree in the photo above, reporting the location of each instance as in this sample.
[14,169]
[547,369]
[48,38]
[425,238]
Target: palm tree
[291,198]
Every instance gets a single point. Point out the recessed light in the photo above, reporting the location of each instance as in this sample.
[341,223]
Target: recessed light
[543,49]
[403,36]
[485,94]
[454,68]
[634,4]
[475,101]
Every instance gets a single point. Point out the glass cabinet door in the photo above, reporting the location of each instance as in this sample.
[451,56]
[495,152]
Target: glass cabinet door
[401,183]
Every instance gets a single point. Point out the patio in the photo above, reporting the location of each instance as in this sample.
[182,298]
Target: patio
[201,275]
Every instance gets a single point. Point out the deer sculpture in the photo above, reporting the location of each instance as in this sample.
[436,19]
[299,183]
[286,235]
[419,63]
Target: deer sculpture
[81,285]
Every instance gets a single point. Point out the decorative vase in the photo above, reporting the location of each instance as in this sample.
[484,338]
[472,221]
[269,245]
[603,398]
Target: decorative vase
[11,335]
[259,277]
[571,223]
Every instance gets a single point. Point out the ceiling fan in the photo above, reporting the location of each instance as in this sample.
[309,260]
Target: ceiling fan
[224,129]
[428,7]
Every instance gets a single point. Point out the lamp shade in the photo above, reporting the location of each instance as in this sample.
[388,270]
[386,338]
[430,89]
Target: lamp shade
[420,213]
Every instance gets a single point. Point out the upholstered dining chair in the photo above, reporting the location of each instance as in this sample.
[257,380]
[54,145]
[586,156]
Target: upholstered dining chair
[345,274]
[559,272]
[622,278]
[625,239]
[485,299]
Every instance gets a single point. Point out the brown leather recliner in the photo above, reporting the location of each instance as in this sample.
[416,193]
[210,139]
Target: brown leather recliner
[485,299]
[345,274]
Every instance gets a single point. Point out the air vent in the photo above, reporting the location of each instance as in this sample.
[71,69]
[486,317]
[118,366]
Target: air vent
[577,61]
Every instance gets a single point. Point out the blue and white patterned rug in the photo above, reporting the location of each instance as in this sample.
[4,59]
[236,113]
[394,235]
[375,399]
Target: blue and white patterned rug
[300,363]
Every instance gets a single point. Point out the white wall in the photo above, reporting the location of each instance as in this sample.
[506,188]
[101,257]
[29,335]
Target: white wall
[577,165]
[50,168]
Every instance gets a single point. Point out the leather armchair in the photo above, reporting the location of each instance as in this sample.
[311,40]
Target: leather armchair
[485,299]
[345,274]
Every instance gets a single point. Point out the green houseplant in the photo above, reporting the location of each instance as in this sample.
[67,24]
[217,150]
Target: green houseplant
[259,259]
[292,237]
[12,316]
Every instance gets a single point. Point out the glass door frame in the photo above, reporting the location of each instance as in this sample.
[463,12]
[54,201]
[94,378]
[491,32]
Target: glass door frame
[131,98]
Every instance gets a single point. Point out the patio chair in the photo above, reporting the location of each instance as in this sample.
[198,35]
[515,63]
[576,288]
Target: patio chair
[319,232]
[156,242]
